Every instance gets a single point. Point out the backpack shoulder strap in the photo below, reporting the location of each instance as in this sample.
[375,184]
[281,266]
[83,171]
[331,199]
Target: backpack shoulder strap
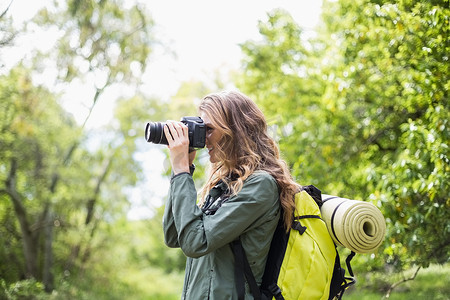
[314,192]
[241,268]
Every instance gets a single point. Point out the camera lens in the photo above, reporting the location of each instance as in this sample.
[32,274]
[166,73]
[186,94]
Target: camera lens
[154,133]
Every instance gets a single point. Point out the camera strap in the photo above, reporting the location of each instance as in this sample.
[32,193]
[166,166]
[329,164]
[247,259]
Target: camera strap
[216,197]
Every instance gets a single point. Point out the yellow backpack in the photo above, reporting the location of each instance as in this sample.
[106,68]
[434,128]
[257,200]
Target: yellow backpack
[302,263]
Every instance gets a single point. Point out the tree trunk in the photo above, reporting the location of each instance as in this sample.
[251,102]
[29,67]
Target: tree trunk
[47,276]
[29,238]
[90,205]
[30,250]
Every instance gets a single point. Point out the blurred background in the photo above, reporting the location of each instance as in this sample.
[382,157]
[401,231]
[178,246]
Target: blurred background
[355,93]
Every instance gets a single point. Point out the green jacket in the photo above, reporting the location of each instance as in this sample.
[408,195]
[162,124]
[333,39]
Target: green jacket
[252,215]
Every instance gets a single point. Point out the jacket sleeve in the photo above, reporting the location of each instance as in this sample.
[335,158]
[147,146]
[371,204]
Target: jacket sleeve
[169,228]
[199,234]
[170,231]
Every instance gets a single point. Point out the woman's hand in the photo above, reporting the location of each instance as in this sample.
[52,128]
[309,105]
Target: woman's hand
[178,139]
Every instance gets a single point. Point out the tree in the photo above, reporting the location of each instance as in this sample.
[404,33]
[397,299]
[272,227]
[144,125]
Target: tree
[108,43]
[372,123]
[282,74]
[391,93]
[30,147]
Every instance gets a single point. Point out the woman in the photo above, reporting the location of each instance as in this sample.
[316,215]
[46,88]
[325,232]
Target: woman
[241,198]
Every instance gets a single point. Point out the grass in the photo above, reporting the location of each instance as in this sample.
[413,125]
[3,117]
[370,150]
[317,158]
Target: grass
[146,284]
[154,284]
[431,283]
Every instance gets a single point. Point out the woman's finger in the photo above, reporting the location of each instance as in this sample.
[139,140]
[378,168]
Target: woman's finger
[179,129]
[172,129]
[177,132]
[182,130]
[168,134]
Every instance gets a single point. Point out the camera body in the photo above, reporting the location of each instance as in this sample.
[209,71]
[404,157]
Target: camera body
[196,131]
[154,132]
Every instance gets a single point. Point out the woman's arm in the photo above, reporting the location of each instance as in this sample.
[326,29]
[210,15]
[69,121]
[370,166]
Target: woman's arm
[199,234]
[179,155]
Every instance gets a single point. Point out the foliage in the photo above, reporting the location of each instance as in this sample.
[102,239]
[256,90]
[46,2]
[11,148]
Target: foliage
[103,38]
[149,284]
[28,162]
[367,115]
[394,94]
[25,289]
[7,32]
[60,184]
[431,283]
[81,241]
[360,111]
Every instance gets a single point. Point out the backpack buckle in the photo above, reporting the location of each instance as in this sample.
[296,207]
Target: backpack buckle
[276,291]
[297,226]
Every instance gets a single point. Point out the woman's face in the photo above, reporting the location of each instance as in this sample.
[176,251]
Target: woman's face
[212,137]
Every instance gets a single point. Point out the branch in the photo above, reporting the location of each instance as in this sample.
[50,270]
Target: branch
[374,139]
[98,93]
[68,157]
[91,203]
[6,10]
[394,285]
[7,40]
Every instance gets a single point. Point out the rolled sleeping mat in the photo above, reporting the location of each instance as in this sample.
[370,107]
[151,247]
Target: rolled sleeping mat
[356,225]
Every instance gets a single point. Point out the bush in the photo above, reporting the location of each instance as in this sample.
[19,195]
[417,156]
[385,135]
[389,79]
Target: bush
[430,283]
[28,289]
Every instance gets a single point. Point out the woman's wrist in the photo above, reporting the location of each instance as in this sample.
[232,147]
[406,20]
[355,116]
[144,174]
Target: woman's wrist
[179,162]
[181,170]
[190,171]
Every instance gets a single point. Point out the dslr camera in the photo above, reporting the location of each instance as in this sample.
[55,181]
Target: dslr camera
[154,132]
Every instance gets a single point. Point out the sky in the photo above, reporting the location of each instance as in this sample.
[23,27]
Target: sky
[204,35]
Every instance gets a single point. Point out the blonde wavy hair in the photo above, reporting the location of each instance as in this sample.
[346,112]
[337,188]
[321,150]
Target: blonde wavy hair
[244,148]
